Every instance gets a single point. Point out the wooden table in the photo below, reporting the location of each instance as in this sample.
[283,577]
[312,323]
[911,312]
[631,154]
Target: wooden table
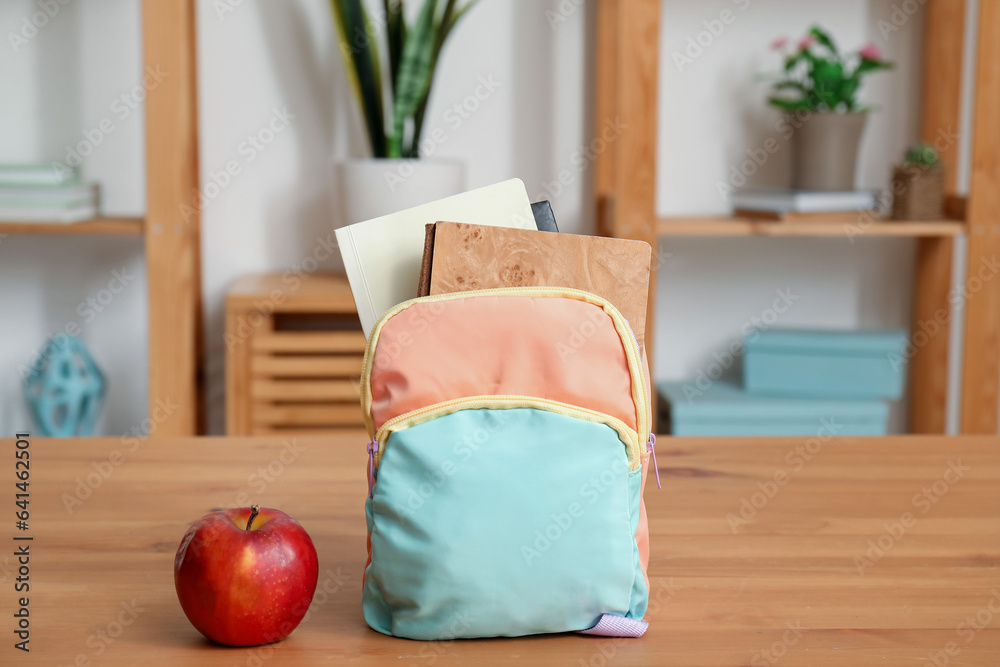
[797,584]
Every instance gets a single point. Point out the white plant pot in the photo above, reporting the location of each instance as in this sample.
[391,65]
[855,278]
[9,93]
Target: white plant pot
[373,187]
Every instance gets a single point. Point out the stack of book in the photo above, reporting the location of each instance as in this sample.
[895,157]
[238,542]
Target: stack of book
[789,205]
[484,239]
[795,382]
[45,194]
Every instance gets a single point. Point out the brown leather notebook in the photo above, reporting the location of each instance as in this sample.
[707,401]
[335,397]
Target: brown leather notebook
[468,257]
[424,286]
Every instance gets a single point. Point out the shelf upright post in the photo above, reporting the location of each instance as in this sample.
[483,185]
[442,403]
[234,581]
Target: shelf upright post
[627,64]
[981,349]
[172,232]
[944,26]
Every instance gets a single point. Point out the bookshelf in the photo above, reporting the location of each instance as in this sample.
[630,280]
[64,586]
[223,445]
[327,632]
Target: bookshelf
[627,62]
[171,242]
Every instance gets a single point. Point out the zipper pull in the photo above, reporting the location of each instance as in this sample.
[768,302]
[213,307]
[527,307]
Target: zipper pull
[651,448]
[372,448]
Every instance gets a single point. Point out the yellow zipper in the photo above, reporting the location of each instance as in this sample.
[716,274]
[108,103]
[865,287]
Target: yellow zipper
[621,326]
[507,402]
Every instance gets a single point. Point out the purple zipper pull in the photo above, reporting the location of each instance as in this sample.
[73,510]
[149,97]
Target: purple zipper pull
[372,448]
[651,448]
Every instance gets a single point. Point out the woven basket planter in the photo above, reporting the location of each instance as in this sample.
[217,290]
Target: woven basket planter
[918,192]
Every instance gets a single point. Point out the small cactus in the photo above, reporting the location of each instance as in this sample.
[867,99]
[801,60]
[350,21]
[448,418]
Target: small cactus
[921,155]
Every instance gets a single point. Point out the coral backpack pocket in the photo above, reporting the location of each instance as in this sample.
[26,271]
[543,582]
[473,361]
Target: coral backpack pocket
[510,444]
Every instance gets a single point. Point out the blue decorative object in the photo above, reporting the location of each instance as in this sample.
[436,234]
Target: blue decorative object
[826,364]
[722,409]
[65,389]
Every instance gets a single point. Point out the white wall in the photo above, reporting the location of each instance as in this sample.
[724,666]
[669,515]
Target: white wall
[57,87]
[265,56]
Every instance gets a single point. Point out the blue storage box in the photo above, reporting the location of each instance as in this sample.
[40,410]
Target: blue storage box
[723,409]
[827,364]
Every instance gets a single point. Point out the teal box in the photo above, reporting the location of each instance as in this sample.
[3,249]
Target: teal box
[723,409]
[826,364]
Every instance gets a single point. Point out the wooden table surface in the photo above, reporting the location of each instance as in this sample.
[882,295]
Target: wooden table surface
[863,552]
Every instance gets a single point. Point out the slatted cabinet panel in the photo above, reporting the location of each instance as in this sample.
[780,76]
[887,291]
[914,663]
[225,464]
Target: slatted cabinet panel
[294,350]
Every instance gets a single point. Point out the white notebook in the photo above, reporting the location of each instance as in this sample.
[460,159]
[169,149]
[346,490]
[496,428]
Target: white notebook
[382,256]
[45,215]
[783,200]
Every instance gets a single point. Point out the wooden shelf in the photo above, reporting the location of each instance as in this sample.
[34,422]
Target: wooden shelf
[849,228]
[97,226]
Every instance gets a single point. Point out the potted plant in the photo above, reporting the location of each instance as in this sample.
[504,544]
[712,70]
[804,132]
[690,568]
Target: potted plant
[818,90]
[918,185]
[392,89]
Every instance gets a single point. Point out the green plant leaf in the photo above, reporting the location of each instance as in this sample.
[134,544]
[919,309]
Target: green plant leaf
[790,105]
[824,38]
[828,77]
[849,91]
[344,44]
[414,74]
[788,84]
[440,33]
[866,66]
[358,47]
[395,35]
[793,60]
[449,18]
[852,83]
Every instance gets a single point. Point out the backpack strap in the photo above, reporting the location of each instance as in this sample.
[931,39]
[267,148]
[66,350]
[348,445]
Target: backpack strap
[611,625]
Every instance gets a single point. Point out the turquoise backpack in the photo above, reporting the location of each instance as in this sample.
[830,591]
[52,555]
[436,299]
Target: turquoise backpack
[510,441]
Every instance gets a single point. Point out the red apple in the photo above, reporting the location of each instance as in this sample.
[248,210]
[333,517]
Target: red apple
[246,576]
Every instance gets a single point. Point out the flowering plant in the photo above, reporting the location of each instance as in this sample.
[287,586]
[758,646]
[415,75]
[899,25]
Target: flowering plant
[817,77]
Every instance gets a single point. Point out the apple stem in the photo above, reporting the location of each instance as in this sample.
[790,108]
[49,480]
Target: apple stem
[254,511]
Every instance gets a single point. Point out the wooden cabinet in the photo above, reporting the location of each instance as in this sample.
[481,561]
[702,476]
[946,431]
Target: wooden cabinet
[294,348]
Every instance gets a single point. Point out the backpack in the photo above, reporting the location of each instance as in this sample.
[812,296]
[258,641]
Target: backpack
[510,441]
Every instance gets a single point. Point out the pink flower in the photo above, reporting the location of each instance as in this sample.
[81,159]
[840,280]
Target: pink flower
[806,42]
[779,43]
[870,52]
